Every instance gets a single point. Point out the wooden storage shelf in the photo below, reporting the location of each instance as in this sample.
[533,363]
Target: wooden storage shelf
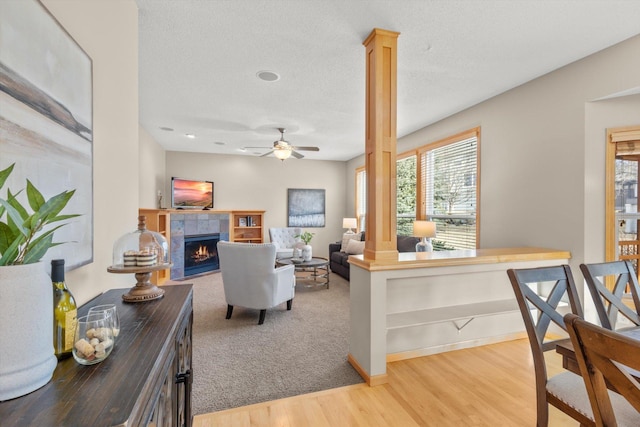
[158,220]
[450,313]
[247,226]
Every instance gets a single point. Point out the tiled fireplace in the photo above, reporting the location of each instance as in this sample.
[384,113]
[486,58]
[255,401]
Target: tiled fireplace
[201,254]
[194,237]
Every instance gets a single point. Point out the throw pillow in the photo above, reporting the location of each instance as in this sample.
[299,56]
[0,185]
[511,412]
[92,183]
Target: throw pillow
[355,247]
[349,236]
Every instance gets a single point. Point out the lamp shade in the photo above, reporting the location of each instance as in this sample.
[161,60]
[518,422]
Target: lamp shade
[282,153]
[424,229]
[349,223]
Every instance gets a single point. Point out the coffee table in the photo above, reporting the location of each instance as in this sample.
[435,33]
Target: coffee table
[317,266]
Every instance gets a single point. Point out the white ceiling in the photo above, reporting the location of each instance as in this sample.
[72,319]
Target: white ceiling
[199,59]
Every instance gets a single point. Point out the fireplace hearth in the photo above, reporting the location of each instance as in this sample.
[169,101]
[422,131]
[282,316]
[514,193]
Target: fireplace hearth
[201,254]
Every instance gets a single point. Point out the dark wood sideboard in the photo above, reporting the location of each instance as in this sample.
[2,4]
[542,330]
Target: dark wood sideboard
[146,380]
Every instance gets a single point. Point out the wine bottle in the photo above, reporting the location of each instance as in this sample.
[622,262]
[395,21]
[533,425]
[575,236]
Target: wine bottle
[65,312]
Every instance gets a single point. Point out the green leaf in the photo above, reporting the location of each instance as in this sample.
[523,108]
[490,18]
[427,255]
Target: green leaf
[34,196]
[63,217]
[37,250]
[6,237]
[14,216]
[10,255]
[4,174]
[13,201]
[54,205]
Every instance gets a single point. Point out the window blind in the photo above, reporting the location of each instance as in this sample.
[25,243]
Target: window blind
[449,190]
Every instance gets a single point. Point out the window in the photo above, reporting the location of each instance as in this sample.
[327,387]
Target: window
[621,215]
[406,194]
[361,197]
[437,182]
[449,172]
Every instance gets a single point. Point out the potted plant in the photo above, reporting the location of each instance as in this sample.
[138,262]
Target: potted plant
[26,295]
[306,249]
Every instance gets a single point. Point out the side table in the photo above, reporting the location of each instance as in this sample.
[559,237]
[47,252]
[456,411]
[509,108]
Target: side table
[317,266]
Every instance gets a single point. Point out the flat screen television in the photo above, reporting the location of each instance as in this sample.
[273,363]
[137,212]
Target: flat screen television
[192,194]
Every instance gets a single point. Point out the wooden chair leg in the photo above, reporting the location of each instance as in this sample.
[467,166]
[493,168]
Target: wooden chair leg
[289,304]
[229,311]
[262,314]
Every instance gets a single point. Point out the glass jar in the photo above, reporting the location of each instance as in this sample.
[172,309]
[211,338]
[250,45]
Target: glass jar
[140,248]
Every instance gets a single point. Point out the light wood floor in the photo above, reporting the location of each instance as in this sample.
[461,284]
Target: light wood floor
[484,386]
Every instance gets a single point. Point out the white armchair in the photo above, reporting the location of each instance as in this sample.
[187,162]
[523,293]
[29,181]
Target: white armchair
[285,240]
[250,278]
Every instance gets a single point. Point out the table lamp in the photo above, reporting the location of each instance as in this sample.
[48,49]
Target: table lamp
[349,223]
[426,230]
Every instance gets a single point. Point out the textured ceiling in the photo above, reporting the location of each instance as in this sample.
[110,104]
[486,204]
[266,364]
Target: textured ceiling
[199,59]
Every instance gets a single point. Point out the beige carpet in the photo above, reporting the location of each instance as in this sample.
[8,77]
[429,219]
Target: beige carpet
[237,362]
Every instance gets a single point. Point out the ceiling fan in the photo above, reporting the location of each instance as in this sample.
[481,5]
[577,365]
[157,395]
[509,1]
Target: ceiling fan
[283,150]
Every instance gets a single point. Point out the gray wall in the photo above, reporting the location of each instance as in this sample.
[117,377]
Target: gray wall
[108,32]
[261,183]
[542,153]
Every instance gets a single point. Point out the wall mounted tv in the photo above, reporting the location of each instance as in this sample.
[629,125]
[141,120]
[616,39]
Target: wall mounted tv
[191,194]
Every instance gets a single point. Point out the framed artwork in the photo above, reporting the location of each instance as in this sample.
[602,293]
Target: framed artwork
[306,208]
[46,119]
[242,222]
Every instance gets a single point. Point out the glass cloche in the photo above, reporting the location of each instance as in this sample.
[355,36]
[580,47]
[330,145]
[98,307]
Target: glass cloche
[141,248]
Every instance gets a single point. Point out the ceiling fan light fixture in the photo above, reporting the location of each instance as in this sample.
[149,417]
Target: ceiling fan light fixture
[282,153]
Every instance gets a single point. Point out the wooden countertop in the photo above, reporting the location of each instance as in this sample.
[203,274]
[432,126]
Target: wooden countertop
[409,260]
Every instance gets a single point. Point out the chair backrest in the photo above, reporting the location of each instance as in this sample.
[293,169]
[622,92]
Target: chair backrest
[608,302]
[285,238]
[601,354]
[248,272]
[236,257]
[527,283]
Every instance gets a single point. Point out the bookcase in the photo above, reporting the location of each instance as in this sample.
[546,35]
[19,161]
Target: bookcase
[247,226]
[158,220]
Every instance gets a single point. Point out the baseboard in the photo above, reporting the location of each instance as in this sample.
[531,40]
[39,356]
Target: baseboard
[372,381]
[392,357]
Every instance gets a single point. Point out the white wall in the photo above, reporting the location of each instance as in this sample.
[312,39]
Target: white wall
[108,32]
[152,172]
[533,152]
[247,182]
[600,115]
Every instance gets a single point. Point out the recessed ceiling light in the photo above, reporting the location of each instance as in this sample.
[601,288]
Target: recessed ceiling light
[220,143]
[242,149]
[189,135]
[167,129]
[268,76]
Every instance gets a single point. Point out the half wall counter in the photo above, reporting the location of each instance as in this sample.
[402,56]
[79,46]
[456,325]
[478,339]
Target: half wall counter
[427,303]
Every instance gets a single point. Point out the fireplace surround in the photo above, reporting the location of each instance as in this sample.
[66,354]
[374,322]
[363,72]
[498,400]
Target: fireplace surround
[187,229]
[201,254]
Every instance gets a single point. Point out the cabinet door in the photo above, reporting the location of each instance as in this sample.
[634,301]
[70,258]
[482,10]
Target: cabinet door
[184,374]
[163,411]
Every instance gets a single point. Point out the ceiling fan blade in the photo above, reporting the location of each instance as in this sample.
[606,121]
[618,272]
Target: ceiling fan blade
[258,148]
[306,148]
[267,153]
[296,154]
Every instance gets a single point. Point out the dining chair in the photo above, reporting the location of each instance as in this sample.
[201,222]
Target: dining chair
[565,391]
[604,357]
[609,303]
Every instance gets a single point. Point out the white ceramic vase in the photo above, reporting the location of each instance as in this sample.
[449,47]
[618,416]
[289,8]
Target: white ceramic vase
[306,253]
[26,329]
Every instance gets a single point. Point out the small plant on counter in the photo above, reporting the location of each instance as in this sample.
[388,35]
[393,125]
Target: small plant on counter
[305,237]
[19,239]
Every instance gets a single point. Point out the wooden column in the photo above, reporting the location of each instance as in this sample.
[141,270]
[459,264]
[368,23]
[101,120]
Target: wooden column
[380,149]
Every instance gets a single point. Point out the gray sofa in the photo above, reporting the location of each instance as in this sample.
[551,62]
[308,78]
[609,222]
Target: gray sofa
[339,261]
